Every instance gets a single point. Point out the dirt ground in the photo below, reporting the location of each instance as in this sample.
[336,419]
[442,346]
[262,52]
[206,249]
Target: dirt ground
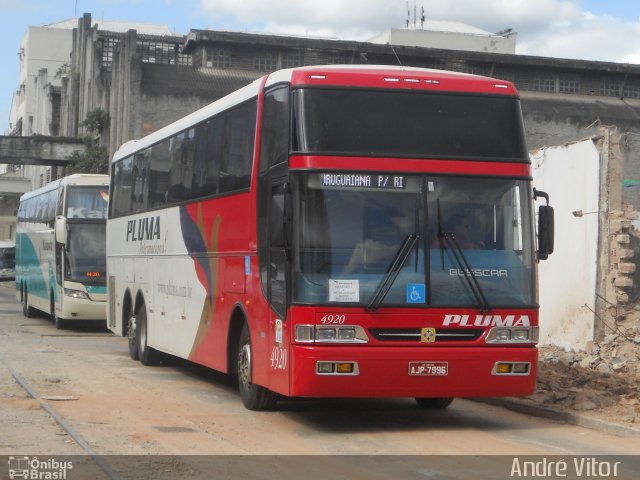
[603,382]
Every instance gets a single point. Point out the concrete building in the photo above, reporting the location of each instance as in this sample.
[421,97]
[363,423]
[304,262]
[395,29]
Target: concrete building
[44,63]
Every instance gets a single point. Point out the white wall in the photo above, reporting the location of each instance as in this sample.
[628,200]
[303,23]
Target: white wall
[570,175]
[473,42]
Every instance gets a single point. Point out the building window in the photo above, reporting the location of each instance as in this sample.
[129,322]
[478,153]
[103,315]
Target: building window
[109,45]
[292,59]
[610,87]
[632,90]
[504,74]
[569,84]
[218,58]
[339,59]
[267,62]
[544,84]
[483,70]
[162,52]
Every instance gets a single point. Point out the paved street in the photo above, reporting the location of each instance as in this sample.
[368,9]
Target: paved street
[119,407]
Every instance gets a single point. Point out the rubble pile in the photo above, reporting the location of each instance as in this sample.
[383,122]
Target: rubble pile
[604,380]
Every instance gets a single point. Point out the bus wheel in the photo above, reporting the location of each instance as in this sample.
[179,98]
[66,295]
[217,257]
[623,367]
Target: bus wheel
[148,356]
[27,310]
[131,336]
[253,396]
[59,322]
[434,403]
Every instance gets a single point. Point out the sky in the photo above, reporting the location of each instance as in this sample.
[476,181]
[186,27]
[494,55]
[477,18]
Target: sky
[577,29]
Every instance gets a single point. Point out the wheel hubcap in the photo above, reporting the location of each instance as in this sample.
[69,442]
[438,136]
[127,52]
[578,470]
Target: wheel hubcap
[131,331]
[244,365]
[143,337]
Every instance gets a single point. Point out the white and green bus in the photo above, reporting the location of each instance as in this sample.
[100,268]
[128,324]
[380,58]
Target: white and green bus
[60,249]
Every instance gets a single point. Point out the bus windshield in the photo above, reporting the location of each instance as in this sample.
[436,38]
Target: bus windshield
[88,202]
[86,254]
[403,123]
[7,257]
[473,242]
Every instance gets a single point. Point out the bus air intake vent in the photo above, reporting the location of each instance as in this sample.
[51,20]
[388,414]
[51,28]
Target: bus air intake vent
[415,334]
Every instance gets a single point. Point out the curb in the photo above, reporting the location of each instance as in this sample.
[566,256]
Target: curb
[562,416]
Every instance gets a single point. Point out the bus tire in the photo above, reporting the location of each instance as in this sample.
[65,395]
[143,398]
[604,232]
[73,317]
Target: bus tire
[27,310]
[148,355]
[58,322]
[434,403]
[132,337]
[254,397]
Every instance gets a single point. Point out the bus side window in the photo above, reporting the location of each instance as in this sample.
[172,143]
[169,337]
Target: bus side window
[181,172]
[277,250]
[274,146]
[236,161]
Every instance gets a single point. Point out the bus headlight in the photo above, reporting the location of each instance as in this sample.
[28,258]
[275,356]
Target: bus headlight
[513,335]
[520,335]
[325,334]
[76,294]
[304,333]
[333,334]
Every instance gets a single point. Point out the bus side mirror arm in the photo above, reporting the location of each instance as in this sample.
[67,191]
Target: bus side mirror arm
[545,226]
[60,230]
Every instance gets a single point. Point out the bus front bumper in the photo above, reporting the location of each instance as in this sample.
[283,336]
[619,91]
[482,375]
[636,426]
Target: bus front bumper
[413,372]
[83,309]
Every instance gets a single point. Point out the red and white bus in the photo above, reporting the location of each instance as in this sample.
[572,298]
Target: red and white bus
[336,231]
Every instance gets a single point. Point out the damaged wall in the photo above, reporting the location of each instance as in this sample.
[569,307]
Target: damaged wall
[570,174]
[588,283]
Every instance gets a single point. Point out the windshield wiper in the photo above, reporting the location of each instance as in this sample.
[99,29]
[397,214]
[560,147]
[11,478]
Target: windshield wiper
[392,272]
[463,264]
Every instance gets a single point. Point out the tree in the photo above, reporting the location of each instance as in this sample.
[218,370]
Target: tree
[96,158]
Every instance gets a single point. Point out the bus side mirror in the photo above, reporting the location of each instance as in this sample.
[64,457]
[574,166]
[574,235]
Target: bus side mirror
[545,231]
[60,230]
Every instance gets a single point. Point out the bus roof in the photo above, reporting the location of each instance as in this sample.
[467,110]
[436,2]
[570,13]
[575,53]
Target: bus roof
[372,76]
[74,179]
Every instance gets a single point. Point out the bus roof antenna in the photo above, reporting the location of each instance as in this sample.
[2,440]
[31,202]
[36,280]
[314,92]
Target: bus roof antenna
[408,15]
[394,52]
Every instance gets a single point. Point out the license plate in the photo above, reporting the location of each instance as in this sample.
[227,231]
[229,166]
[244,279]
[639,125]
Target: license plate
[439,369]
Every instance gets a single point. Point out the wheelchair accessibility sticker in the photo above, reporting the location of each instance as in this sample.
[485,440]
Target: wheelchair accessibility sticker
[416,293]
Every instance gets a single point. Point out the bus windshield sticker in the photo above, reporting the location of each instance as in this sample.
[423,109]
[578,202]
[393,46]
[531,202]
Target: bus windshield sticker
[344,291]
[416,293]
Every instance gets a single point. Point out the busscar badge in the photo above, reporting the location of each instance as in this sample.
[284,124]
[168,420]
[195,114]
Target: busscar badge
[428,335]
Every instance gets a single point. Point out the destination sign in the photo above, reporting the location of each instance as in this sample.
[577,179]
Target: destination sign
[363,180]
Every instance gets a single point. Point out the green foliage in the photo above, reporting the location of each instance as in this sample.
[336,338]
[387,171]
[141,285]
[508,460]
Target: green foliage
[96,121]
[94,160]
[64,69]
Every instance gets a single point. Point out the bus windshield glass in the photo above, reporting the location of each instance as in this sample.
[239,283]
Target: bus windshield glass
[87,202]
[473,240]
[402,123]
[86,254]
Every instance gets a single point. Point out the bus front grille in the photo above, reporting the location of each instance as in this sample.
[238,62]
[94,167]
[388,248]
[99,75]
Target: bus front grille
[415,334]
